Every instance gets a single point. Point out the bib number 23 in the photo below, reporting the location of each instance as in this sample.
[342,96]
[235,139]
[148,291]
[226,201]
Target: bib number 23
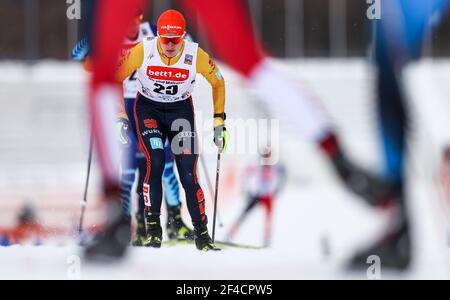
[168,90]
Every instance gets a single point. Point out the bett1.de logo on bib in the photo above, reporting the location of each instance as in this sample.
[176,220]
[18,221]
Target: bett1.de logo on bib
[165,73]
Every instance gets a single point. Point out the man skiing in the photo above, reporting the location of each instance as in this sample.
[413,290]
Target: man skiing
[399,38]
[166,70]
[134,156]
[263,182]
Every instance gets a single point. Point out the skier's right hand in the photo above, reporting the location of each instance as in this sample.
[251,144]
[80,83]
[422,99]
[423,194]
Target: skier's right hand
[123,129]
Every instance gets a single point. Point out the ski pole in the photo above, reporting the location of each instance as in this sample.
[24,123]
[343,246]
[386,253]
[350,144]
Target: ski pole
[84,202]
[215,195]
[210,188]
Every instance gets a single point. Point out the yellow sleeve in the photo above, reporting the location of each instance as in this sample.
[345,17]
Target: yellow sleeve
[211,72]
[130,61]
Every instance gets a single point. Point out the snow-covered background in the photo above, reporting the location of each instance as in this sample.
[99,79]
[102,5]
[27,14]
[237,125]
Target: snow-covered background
[317,223]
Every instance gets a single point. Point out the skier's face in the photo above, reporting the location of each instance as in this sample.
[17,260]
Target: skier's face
[171,47]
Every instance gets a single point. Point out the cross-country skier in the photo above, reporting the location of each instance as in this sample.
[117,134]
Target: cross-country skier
[175,225]
[166,71]
[399,38]
[262,181]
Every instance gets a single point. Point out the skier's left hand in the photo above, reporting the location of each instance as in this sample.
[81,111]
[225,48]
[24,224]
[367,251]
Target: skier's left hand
[221,138]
